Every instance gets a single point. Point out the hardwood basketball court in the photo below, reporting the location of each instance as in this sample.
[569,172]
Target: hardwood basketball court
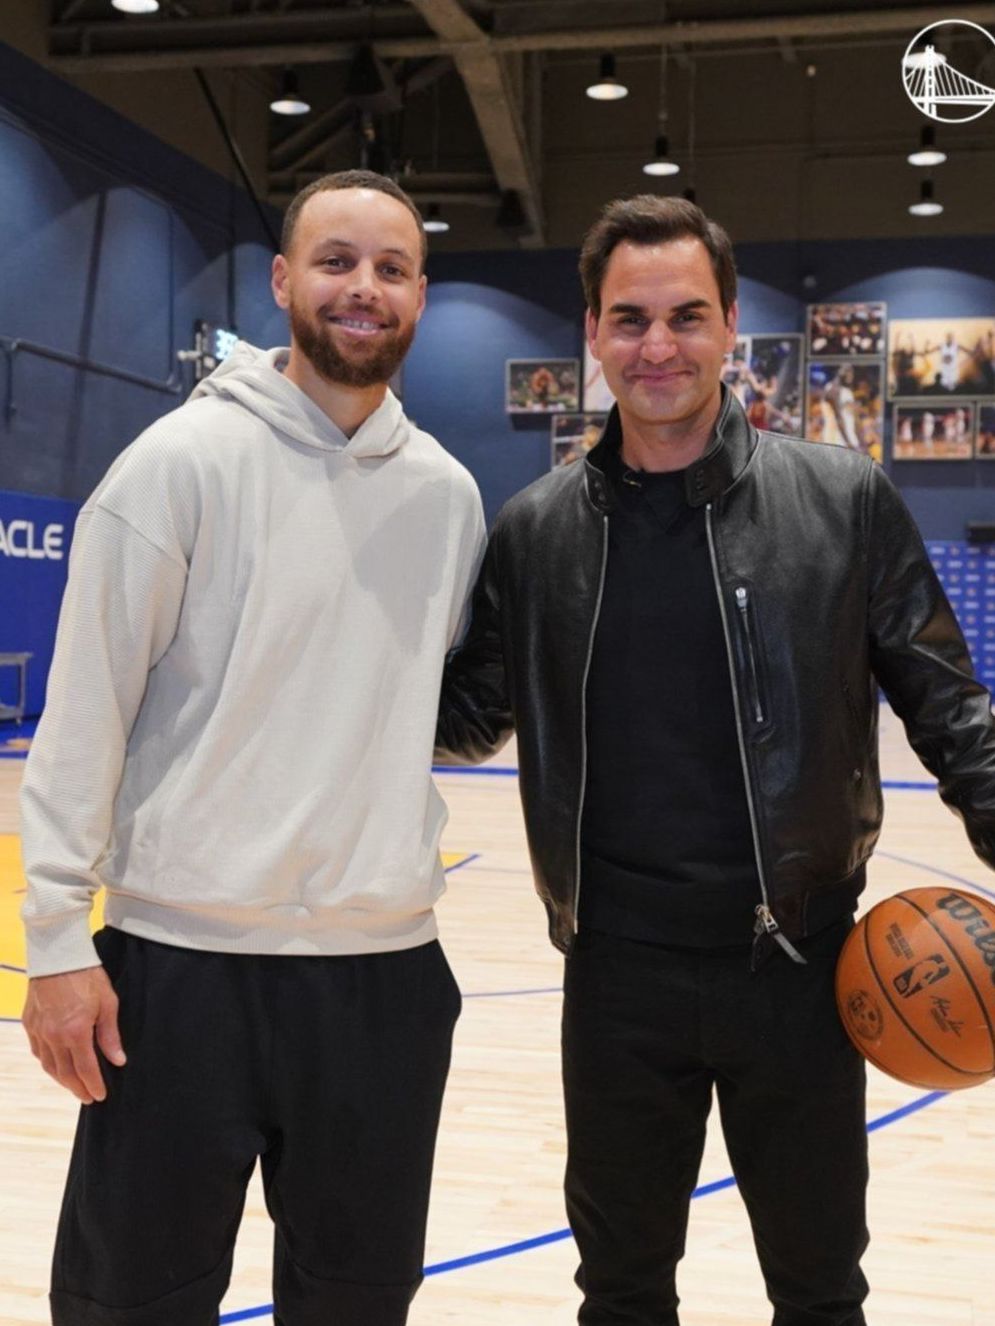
[501,1147]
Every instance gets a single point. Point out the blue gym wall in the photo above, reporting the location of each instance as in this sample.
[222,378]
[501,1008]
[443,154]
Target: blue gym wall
[114,243]
[486,308]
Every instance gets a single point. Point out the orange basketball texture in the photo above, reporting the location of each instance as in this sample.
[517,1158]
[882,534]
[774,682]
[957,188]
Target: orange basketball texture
[915,987]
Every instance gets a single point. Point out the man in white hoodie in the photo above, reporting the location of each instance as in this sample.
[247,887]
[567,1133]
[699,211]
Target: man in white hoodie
[236,744]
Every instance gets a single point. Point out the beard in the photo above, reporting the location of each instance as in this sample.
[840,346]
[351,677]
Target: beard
[364,367]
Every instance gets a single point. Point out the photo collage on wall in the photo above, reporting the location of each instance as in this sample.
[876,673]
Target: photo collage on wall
[828,385]
[940,370]
[765,375]
[844,396]
[765,372]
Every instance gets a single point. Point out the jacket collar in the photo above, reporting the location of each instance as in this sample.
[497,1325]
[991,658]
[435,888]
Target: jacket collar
[706,479]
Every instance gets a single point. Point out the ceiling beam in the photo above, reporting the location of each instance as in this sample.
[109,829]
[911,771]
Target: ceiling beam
[309,143]
[317,36]
[706,32]
[495,105]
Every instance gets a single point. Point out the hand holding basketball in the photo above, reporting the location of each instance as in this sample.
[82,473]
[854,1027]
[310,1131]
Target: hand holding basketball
[915,987]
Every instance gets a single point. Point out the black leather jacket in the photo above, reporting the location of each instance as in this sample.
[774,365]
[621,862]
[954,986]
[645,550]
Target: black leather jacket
[825,590]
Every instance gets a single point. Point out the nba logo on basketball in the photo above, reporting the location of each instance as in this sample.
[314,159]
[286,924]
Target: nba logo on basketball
[920,974]
[940,940]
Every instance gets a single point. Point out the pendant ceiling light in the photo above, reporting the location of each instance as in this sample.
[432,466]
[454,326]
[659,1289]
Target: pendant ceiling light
[290,101]
[435,223]
[927,204]
[927,154]
[608,87]
[661,163]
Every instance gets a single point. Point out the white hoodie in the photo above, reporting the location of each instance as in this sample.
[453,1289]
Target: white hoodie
[239,724]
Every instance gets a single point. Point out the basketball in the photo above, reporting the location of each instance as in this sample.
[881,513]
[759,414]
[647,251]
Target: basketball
[915,987]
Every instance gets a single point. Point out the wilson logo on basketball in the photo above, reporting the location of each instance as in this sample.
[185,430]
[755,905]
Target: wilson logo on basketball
[920,974]
[975,924]
[927,1018]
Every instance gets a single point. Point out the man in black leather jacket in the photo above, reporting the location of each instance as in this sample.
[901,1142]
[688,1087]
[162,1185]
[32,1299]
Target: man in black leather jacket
[687,631]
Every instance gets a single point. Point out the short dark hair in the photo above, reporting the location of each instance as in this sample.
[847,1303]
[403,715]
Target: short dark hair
[350,179]
[651,219]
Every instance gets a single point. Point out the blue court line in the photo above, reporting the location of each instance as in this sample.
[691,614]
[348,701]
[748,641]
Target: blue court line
[499,994]
[558,1235]
[935,870]
[506,771]
[719,1185]
[913,1107]
[458,865]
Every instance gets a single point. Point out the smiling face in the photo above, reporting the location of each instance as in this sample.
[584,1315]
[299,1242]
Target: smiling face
[662,336]
[352,285]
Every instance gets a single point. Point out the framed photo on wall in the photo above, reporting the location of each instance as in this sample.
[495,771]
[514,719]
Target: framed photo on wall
[844,406]
[764,372]
[932,430]
[984,436]
[940,357]
[736,367]
[597,394]
[572,436]
[846,330]
[542,386]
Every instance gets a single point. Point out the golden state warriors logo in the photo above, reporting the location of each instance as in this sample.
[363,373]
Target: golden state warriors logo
[949,70]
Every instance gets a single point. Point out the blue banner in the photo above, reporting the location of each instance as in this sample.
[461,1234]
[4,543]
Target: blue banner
[35,535]
[967,573]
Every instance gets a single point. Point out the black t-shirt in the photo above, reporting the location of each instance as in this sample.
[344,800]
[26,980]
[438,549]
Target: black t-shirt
[666,847]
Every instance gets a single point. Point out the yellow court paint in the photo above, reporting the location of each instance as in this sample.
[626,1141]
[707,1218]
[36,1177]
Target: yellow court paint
[12,935]
[452,859]
[11,897]
[12,983]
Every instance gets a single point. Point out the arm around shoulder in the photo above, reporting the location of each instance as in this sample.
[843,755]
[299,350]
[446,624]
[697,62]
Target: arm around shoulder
[474,708]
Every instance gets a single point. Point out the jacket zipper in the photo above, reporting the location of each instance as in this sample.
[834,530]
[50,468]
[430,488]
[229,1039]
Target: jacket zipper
[742,603]
[765,917]
[583,717]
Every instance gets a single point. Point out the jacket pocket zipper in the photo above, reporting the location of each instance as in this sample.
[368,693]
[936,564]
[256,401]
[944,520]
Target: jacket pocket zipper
[743,607]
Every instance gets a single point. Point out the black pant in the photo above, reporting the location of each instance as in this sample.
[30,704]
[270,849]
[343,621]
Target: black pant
[647,1033]
[331,1069]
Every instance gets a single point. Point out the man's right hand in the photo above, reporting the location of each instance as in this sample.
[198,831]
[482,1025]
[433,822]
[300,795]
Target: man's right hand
[63,1016]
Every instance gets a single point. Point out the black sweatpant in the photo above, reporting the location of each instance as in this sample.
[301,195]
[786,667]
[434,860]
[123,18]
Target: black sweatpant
[330,1070]
[648,1032]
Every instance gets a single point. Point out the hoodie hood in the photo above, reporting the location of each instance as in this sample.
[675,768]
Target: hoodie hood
[255,379]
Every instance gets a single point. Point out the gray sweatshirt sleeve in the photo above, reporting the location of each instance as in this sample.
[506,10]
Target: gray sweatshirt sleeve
[119,614]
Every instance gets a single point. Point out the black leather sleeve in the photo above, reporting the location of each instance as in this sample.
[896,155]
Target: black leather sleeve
[921,660]
[474,707]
